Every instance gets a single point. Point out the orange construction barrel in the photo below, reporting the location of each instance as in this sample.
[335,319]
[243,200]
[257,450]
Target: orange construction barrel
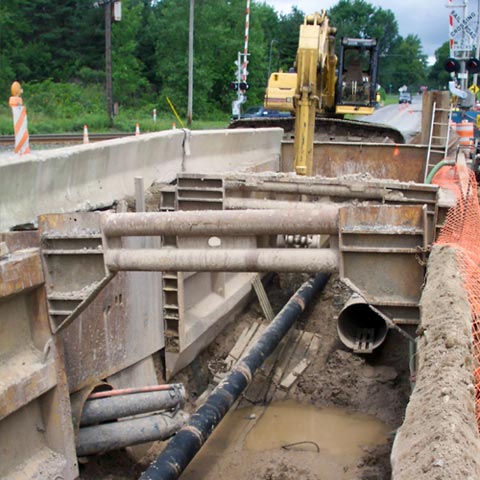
[464,130]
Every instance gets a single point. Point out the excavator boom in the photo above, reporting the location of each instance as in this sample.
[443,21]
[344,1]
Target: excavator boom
[322,85]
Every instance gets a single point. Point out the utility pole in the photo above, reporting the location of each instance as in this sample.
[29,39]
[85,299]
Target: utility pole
[190,65]
[108,60]
[477,50]
[270,59]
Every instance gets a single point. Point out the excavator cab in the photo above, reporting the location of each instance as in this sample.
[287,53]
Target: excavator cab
[357,76]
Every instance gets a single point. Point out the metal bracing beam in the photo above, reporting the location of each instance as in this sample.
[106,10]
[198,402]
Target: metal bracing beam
[364,191]
[220,222]
[224,260]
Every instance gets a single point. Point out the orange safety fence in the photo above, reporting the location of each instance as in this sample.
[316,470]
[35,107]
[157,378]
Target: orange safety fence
[461,230]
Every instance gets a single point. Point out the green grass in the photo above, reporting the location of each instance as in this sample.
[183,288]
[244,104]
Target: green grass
[41,123]
[66,108]
[391,99]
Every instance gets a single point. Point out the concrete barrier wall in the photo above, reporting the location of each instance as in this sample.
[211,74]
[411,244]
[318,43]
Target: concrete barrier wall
[95,175]
[439,437]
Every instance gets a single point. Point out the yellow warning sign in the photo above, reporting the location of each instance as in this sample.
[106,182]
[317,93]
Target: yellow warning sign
[474,88]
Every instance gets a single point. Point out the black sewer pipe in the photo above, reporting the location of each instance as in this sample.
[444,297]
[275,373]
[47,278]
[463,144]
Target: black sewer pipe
[189,439]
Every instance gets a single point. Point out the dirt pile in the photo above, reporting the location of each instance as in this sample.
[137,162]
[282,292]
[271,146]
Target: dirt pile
[439,439]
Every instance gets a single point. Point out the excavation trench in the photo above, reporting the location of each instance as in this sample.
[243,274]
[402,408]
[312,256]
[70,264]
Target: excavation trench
[344,405]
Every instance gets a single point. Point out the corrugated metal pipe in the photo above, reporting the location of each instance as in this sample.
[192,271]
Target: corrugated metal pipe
[360,327]
[188,441]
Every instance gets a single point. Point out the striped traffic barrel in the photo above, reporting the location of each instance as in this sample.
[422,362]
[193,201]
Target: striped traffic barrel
[464,130]
[19,119]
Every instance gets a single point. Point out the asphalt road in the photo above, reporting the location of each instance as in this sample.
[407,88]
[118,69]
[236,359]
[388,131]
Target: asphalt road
[404,117]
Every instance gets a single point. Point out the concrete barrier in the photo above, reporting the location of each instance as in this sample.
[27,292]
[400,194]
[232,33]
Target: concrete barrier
[95,175]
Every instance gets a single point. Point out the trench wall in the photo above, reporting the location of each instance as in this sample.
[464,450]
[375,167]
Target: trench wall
[95,175]
[439,437]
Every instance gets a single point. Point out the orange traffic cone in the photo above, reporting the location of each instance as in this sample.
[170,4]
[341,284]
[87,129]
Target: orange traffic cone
[137,129]
[85,134]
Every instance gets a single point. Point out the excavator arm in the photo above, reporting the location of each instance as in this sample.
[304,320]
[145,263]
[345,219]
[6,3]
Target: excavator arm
[314,87]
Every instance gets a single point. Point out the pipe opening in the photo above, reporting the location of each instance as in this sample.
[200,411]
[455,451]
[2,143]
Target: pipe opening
[359,327]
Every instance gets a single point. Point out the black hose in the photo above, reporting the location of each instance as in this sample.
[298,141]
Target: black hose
[189,439]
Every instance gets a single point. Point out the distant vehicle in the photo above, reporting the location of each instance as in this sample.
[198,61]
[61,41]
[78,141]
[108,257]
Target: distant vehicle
[262,112]
[405,97]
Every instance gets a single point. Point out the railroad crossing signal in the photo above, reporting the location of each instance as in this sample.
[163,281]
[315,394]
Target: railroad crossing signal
[472,65]
[462,35]
[463,26]
[452,65]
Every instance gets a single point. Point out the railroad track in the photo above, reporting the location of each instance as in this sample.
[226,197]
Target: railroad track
[64,138]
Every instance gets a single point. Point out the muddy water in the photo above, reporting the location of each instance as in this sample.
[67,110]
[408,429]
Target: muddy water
[329,440]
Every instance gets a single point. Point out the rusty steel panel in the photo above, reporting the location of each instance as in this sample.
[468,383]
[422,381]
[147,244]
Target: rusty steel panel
[122,326]
[35,419]
[20,272]
[404,163]
[113,322]
[20,240]
[71,248]
[382,254]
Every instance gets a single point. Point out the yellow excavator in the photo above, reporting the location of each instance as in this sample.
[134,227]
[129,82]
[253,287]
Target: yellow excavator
[322,88]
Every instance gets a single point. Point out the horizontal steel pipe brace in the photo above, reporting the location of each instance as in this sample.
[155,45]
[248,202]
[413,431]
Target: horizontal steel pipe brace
[221,222]
[115,435]
[187,442]
[365,191]
[110,408]
[310,260]
[236,203]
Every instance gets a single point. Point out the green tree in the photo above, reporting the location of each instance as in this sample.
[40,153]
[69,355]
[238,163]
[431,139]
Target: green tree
[358,18]
[411,63]
[128,83]
[438,77]
[9,41]
[287,35]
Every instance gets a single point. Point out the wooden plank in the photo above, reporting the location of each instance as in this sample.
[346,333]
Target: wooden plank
[261,328]
[241,344]
[263,298]
[279,371]
[291,378]
[314,345]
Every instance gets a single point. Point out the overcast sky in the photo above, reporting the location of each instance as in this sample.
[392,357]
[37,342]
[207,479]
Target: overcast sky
[426,18]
